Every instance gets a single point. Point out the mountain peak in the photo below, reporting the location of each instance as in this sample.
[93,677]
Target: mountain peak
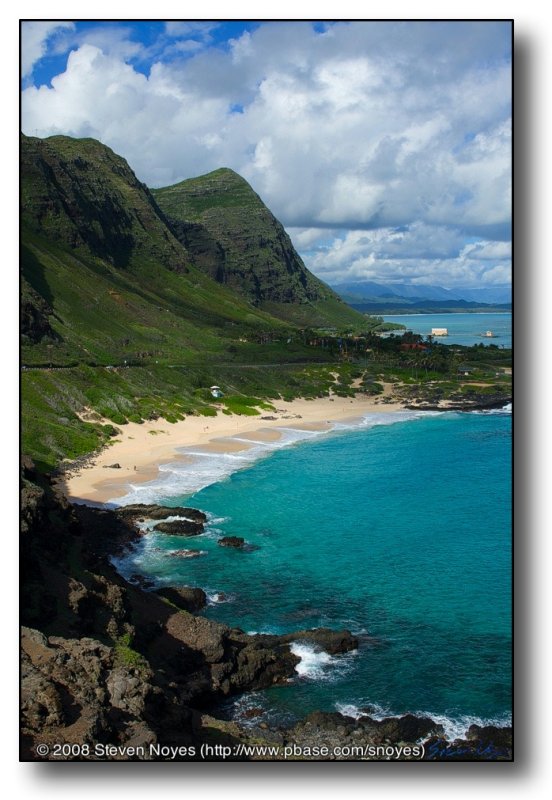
[250,250]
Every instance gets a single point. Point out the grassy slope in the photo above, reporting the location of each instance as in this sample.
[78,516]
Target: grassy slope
[106,282]
[53,400]
[112,285]
[105,315]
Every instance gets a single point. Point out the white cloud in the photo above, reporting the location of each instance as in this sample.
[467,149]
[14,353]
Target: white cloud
[374,126]
[421,254]
[34,41]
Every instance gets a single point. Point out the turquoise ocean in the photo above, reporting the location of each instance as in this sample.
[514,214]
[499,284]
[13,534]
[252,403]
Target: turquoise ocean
[463,329]
[396,526]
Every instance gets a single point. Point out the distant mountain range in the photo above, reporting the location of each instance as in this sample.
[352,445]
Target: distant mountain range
[373,296]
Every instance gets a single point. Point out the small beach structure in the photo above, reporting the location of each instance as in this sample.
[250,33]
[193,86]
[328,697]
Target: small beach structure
[439,331]
[216,391]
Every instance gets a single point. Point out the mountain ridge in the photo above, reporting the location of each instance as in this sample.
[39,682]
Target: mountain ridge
[219,213]
[356,292]
[121,321]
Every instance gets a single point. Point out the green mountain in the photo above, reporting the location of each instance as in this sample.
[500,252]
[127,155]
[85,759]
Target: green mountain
[124,314]
[232,236]
[102,272]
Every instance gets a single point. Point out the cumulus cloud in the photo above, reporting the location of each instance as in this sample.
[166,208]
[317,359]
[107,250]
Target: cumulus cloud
[420,254]
[355,126]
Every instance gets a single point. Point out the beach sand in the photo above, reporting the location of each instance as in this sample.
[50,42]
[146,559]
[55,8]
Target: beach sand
[140,449]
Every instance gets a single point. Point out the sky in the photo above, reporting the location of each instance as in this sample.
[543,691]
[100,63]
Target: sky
[383,147]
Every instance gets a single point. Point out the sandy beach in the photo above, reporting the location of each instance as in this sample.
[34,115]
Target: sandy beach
[140,449]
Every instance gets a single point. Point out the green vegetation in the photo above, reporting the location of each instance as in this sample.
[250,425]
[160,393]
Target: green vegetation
[249,249]
[130,312]
[241,404]
[125,656]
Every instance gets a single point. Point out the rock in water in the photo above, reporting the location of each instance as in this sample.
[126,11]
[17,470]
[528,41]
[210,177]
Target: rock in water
[185,553]
[231,541]
[155,511]
[326,639]
[180,527]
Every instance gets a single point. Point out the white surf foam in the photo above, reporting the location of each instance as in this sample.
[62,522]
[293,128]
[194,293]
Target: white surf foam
[318,665]
[507,409]
[454,727]
[216,598]
[313,664]
[352,710]
[457,727]
[203,468]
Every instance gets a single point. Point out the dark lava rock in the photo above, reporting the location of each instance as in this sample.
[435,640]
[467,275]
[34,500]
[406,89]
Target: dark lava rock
[155,511]
[367,710]
[188,598]
[142,581]
[180,527]
[439,749]
[251,713]
[330,641]
[490,735]
[406,729]
[185,553]
[231,541]
[326,720]
[112,466]
[78,687]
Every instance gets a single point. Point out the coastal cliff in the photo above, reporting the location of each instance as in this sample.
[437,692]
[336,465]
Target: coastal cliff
[122,670]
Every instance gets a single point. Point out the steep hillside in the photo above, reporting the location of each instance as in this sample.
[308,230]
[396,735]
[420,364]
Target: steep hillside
[231,235]
[104,279]
[78,192]
[120,322]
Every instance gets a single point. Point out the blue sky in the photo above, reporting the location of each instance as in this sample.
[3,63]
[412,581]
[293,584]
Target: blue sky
[383,147]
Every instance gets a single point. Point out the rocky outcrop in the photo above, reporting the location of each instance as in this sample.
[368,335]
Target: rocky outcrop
[480,744]
[394,738]
[120,664]
[232,541]
[75,691]
[186,597]
[325,639]
[119,659]
[477,402]
[35,313]
[180,527]
[154,511]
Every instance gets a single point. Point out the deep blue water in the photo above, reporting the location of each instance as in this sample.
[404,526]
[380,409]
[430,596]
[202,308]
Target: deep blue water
[399,532]
[463,329]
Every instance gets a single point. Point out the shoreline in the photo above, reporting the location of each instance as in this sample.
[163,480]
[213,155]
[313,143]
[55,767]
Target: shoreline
[140,449]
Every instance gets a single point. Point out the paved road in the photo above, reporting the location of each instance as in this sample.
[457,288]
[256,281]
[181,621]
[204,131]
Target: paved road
[214,365]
